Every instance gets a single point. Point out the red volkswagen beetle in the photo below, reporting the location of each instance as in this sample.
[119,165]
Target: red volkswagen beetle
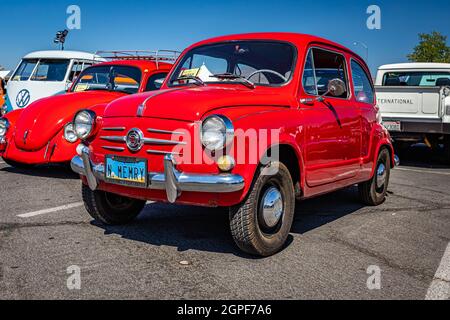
[248,122]
[43,132]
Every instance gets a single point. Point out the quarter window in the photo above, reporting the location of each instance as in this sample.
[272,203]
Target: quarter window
[364,91]
[322,66]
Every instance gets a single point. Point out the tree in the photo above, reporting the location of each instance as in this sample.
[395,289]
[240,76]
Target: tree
[431,48]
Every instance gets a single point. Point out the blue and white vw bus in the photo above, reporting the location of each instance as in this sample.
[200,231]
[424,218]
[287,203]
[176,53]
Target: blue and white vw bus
[44,73]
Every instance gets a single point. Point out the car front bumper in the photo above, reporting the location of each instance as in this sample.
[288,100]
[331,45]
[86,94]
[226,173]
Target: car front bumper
[171,180]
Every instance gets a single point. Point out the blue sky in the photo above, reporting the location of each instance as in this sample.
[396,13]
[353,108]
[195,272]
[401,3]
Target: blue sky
[173,24]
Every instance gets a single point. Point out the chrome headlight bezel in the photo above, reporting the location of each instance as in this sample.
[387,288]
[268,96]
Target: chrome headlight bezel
[69,133]
[84,123]
[4,126]
[219,128]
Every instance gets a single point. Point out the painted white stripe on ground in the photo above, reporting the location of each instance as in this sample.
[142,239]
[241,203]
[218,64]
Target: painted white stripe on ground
[51,210]
[440,286]
[424,171]
[1,162]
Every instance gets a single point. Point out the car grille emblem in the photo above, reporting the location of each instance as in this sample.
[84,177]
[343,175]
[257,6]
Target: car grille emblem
[135,140]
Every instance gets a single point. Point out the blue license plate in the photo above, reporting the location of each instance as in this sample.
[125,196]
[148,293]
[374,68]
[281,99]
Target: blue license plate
[126,171]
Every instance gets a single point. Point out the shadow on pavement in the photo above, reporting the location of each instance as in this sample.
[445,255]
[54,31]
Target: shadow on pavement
[50,171]
[421,156]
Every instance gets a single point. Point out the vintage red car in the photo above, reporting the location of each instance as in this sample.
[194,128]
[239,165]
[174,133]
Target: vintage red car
[247,122]
[43,133]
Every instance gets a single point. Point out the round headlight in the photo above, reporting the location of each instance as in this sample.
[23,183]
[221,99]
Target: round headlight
[4,125]
[217,132]
[69,133]
[83,124]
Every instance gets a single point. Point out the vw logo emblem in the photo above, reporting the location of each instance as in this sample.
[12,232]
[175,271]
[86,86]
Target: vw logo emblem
[135,140]
[23,98]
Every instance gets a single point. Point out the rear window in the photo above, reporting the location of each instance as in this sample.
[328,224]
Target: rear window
[416,79]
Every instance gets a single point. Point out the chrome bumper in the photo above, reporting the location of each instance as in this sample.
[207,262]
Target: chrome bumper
[171,180]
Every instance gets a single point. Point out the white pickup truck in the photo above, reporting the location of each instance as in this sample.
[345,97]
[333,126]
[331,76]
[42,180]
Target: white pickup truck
[414,99]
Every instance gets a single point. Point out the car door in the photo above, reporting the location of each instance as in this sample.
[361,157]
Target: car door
[332,127]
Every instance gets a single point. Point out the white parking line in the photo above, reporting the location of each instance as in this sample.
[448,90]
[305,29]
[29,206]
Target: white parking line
[440,286]
[423,171]
[1,162]
[51,210]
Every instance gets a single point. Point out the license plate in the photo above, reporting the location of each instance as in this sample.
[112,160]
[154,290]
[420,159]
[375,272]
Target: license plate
[393,125]
[126,171]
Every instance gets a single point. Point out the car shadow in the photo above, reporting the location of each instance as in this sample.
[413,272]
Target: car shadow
[49,171]
[421,156]
[207,229]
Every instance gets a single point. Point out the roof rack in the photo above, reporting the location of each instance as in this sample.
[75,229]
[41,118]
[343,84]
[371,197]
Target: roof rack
[155,55]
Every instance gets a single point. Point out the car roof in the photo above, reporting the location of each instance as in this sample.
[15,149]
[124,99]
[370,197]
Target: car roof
[60,54]
[297,39]
[415,65]
[139,63]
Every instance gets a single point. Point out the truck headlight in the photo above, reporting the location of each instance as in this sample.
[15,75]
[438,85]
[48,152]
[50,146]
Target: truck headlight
[69,133]
[83,124]
[217,132]
[4,125]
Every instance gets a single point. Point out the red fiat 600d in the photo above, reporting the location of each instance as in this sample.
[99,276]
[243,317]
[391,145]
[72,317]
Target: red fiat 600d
[249,122]
[43,133]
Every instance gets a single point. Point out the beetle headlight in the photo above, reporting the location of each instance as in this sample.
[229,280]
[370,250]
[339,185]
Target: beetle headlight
[217,132]
[4,125]
[69,133]
[83,124]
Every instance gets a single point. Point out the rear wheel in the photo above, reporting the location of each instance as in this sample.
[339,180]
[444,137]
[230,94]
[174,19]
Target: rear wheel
[110,208]
[261,224]
[373,192]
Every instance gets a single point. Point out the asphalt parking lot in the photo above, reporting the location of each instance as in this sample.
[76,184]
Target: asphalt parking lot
[44,230]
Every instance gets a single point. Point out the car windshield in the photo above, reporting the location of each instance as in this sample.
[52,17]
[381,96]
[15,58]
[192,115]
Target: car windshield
[110,78]
[53,70]
[416,79]
[261,62]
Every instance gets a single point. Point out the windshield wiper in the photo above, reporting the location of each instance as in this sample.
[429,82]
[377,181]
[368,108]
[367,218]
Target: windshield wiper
[231,76]
[196,79]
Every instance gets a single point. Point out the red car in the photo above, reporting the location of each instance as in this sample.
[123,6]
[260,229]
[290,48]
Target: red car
[247,122]
[43,133]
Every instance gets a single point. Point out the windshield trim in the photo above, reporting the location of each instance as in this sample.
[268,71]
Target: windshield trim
[110,65]
[291,77]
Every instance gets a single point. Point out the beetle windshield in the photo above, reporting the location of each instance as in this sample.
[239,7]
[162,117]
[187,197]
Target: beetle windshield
[109,78]
[261,62]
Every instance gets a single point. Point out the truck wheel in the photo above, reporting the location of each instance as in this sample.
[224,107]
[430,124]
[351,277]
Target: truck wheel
[261,224]
[373,192]
[109,208]
[18,165]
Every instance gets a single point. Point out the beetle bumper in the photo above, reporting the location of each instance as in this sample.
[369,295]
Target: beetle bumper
[171,180]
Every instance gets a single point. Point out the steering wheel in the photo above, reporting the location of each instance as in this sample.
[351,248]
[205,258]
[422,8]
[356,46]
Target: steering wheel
[267,71]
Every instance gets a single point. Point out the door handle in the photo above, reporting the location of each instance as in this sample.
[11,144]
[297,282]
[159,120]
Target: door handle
[307,101]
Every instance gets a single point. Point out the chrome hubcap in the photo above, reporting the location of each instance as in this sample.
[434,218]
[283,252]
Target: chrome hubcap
[381,175]
[272,207]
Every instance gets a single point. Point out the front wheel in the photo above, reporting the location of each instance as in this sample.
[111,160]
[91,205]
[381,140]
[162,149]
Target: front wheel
[261,224]
[109,208]
[373,192]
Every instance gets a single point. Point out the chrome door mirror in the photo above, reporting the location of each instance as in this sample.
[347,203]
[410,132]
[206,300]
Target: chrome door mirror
[336,88]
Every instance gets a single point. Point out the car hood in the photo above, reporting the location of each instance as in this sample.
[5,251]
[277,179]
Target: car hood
[191,103]
[43,119]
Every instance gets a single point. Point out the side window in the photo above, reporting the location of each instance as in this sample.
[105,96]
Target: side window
[76,70]
[364,91]
[155,82]
[321,67]
[309,78]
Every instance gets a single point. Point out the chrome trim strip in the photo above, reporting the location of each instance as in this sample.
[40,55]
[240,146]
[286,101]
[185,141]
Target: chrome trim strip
[163,152]
[114,129]
[164,131]
[172,180]
[114,138]
[120,149]
[163,142]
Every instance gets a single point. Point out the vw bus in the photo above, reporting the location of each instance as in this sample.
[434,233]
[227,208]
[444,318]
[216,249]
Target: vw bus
[44,73]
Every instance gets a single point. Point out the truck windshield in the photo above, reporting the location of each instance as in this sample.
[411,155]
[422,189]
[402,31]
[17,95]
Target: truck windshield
[53,70]
[416,79]
[109,78]
[261,62]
